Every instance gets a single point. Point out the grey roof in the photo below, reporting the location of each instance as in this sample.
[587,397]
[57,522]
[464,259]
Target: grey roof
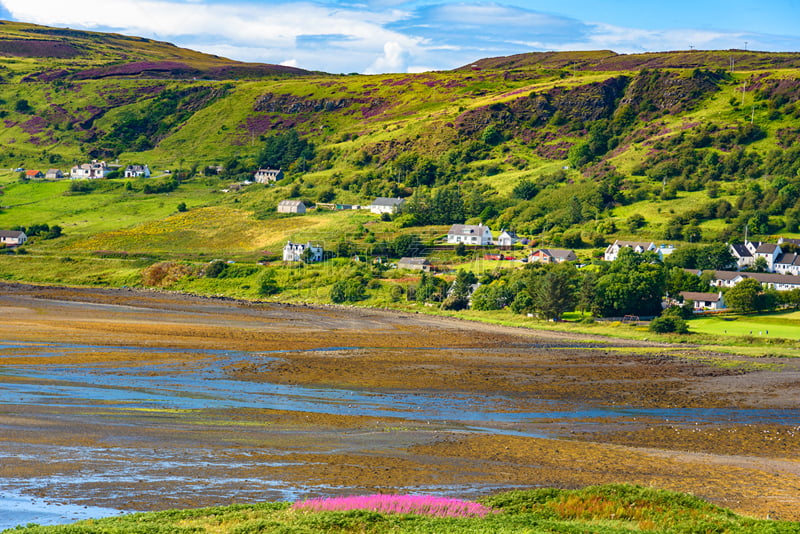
[560,253]
[788,259]
[741,250]
[291,203]
[634,244]
[467,229]
[386,201]
[766,248]
[11,233]
[727,275]
[414,261]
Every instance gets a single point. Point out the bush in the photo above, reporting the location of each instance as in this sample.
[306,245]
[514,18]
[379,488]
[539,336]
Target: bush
[669,324]
[216,269]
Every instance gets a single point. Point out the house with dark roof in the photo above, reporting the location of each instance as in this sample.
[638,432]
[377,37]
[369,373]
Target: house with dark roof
[137,171]
[787,263]
[469,234]
[507,239]
[743,254]
[54,174]
[12,238]
[552,255]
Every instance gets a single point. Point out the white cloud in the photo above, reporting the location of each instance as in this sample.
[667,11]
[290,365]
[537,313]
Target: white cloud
[266,33]
[289,63]
[394,59]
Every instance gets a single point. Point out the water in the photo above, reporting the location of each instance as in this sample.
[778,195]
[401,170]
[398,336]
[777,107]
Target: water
[203,384]
[17,509]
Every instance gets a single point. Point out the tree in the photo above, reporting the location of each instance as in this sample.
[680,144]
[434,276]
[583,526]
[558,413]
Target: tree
[634,284]
[267,285]
[494,296]
[744,295]
[406,245]
[554,293]
[181,206]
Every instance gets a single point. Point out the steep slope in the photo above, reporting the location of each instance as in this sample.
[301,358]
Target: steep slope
[567,146]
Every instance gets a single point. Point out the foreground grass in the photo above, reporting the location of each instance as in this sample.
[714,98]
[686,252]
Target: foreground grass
[609,509]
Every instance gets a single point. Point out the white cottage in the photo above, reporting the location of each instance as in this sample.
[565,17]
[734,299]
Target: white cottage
[12,238]
[612,251]
[387,205]
[295,251]
[470,234]
[266,176]
[137,171]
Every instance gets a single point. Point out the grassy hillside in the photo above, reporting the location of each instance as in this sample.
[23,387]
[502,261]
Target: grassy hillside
[570,149]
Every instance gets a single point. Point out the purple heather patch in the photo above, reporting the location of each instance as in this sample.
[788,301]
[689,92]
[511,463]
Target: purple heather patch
[398,504]
[34,125]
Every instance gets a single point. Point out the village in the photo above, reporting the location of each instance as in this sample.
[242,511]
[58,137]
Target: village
[775,266]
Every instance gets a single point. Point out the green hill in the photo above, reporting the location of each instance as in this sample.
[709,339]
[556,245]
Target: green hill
[574,148]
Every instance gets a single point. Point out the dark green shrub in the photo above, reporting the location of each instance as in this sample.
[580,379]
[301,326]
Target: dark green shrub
[669,324]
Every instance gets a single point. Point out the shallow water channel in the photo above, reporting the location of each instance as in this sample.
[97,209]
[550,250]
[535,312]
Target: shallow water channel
[122,388]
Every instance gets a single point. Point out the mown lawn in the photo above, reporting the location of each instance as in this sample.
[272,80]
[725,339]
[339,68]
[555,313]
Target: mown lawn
[774,325]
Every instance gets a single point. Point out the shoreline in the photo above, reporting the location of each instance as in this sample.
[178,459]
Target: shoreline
[133,340]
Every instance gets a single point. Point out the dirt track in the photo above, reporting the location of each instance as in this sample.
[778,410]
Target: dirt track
[246,454]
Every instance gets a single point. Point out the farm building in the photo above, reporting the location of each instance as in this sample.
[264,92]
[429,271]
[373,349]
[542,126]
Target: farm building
[291,206]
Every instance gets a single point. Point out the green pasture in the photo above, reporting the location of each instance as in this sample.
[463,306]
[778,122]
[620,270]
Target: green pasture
[768,326]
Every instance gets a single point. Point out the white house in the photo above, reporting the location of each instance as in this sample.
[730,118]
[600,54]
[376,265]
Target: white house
[612,251]
[387,205]
[470,234]
[787,263]
[506,239]
[704,301]
[265,176]
[291,206]
[778,282]
[93,170]
[294,252]
[743,254]
[137,171]
[770,253]
[12,238]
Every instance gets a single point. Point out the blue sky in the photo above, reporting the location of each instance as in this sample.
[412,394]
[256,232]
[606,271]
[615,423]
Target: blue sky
[376,36]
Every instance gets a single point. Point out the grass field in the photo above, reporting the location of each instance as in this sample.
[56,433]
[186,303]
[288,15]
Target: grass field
[775,325]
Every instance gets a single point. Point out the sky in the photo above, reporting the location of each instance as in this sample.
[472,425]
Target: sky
[380,36]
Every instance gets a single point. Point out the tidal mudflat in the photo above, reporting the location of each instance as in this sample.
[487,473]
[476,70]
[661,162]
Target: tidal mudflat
[130,401]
